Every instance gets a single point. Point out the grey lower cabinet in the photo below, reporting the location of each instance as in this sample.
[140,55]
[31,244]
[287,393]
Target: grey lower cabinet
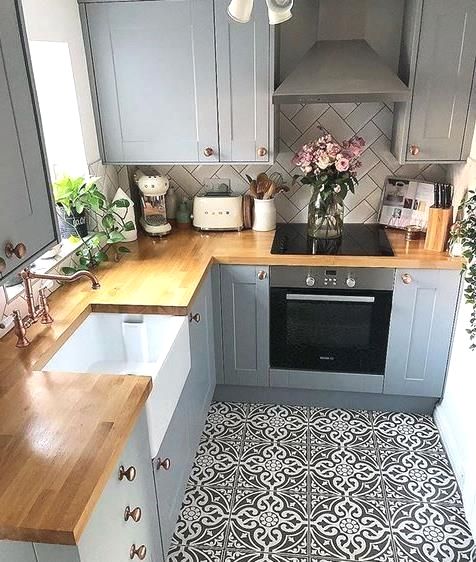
[176,81]
[174,460]
[421,327]
[438,61]
[26,209]
[109,537]
[245,319]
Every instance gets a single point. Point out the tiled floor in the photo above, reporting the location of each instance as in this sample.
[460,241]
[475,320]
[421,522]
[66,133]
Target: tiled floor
[293,484]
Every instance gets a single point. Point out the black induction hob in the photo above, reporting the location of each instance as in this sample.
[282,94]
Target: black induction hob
[357,240]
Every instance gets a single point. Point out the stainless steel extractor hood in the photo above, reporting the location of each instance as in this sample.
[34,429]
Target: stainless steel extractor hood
[341,71]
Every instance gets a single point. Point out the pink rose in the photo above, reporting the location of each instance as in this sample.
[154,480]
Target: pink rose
[342,164]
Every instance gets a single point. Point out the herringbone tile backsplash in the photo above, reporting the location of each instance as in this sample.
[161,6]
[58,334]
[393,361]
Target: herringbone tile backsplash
[300,124]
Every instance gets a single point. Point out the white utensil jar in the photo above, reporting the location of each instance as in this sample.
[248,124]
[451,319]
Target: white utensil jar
[264,215]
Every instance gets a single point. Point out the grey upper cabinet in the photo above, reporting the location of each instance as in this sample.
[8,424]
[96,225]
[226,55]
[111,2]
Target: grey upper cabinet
[438,61]
[152,70]
[245,317]
[26,209]
[243,79]
[421,327]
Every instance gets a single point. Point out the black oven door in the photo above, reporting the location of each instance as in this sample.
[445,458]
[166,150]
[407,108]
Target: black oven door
[343,331]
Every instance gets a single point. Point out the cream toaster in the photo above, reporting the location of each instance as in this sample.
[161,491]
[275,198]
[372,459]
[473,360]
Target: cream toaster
[218,211]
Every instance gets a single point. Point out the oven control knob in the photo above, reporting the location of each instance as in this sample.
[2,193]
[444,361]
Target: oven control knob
[310,281]
[350,282]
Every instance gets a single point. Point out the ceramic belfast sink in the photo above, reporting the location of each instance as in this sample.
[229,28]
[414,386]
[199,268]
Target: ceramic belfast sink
[152,344]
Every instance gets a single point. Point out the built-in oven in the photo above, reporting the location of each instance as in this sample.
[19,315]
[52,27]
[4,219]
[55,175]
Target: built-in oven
[330,320]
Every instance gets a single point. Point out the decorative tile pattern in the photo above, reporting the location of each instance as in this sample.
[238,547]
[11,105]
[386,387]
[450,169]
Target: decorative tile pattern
[300,124]
[275,483]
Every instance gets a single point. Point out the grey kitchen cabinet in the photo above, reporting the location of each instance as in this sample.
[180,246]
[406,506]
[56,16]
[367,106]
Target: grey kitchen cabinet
[421,326]
[108,536]
[175,458]
[245,318]
[176,81]
[26,210]
[437,61]
[244,59]
[152,71]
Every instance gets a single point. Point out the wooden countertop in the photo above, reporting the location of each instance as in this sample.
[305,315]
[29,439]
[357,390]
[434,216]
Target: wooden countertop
[61,433]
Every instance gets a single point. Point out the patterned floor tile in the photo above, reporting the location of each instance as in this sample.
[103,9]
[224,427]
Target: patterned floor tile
[350,529]
[419,476]
[397,430]
[273,466]
[346,428]
[216,464]
[203,518]
[178,553]
[225,420]
[431,533]
[240,556]
[273,522]
[271,422]
[337,471]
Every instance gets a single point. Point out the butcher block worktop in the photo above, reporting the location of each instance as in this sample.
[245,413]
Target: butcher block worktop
[61,433]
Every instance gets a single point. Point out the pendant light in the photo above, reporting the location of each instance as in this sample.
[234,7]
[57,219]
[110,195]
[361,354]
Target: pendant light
[279,11]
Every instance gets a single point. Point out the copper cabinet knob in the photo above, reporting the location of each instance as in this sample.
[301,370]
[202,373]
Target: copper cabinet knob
[134,514]
[3,265]
[163,463]
[194,317]
[19,250]
[262,275]
[208,152]
[407,278]
[262,151]
[414,150]
[139,552]
[128,473]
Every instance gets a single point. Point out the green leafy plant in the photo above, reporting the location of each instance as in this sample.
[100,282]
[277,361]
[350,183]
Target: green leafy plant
[83,194]
[464,232]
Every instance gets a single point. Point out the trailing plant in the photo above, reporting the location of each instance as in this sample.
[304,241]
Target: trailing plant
[464,231]
[83,194]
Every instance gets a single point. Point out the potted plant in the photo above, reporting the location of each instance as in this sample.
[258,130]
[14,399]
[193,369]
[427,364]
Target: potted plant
[463,234]
[77,196]
[329,167]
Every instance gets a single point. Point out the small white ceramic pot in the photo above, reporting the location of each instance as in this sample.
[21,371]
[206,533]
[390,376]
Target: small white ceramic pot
[264,215]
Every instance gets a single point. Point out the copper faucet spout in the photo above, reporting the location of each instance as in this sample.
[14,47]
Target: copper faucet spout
[28,274]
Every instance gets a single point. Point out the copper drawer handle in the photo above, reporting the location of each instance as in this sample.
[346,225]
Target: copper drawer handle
[18,251]
[134,514]
[163,463]
[414,150]
[262,275]
[262,151]
[138,551]
[208,152]
[129,473]
[407,278]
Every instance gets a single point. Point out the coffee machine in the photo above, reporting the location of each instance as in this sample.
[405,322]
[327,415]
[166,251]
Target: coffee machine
[153,217]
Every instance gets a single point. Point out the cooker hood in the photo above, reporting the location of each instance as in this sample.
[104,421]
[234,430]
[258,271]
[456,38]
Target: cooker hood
[341,71]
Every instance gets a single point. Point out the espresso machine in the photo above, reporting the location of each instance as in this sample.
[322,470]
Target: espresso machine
[152,190]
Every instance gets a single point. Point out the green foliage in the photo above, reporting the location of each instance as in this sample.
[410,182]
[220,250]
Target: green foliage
[83,194]
[464,230]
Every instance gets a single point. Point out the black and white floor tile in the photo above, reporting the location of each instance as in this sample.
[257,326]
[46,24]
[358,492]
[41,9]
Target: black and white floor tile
[275,483]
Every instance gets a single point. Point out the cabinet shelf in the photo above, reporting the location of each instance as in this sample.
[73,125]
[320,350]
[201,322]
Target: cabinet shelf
[341,71]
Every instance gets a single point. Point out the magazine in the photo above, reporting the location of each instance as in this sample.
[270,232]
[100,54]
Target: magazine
[406,202]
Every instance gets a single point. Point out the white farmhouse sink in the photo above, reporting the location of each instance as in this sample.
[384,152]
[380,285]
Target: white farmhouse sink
[154,345]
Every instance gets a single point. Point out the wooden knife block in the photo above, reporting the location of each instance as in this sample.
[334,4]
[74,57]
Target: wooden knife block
[438,230]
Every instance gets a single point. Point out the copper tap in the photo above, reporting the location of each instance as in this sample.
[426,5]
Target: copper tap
[42,310]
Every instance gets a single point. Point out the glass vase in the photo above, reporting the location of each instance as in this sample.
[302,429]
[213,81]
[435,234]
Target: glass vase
[325,215]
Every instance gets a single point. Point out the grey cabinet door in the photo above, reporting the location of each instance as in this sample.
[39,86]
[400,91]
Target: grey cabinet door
[26,210]
[443,80]
[245,315]
[202,349]
[243,77]
[152,69]
[421,327]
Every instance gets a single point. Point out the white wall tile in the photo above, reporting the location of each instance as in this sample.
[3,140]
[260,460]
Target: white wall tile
[363,114]
[308,114]
[335,125]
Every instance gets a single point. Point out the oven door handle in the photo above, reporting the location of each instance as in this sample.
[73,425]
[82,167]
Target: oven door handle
[329,298]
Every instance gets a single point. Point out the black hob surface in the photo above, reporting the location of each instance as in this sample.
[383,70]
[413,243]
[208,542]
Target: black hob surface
[357,240]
